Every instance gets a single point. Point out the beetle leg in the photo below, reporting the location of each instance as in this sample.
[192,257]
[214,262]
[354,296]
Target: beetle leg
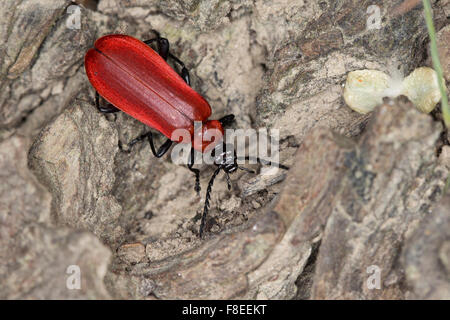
[162,149]
[227,120]
[163,45]
[195,171]
[184,70]
[163,50]
[108,108]
[138,139]
[150,41]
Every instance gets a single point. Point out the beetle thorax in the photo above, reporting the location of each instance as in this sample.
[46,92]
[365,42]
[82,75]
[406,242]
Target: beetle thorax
[210,135]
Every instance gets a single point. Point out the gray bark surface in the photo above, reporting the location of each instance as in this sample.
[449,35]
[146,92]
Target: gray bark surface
[362,190]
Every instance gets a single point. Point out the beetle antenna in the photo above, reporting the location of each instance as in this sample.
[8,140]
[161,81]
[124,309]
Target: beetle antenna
[264,162]
[228,180]
[207,198]
[246,170]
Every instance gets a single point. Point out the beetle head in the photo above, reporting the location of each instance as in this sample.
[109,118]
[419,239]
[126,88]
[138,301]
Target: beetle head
[225,156]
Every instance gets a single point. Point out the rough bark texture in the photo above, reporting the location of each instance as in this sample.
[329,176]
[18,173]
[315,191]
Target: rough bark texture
[361,191]
[426,257]
[391,182]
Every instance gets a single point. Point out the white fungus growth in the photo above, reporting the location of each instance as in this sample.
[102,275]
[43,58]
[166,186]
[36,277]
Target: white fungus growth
[365,89]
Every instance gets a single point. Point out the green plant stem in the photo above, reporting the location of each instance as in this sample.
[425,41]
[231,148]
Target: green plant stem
[436,63]
[447,185]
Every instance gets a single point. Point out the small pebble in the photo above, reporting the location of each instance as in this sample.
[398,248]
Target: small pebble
[131,253]
[256,204]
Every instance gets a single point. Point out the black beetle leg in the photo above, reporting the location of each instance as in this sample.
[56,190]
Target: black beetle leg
[184,71]
[163,44]
[107,108]
[227,120]
[162,149]
[195,171]
[163,50]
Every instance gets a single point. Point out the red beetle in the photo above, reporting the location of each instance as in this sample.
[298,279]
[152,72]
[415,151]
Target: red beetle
[133,78]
